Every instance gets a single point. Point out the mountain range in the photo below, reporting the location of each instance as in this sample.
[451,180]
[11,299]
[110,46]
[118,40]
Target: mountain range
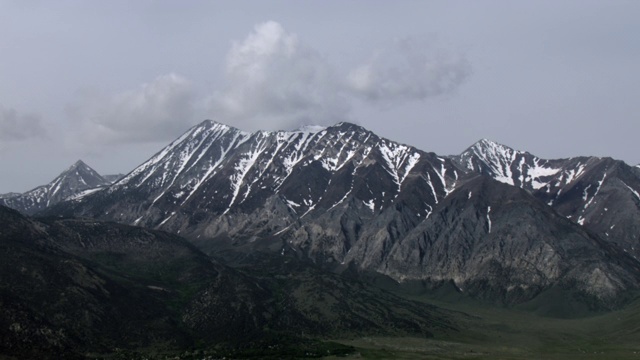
[497,223]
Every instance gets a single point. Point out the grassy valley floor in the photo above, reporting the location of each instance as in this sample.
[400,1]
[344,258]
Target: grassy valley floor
[497,333]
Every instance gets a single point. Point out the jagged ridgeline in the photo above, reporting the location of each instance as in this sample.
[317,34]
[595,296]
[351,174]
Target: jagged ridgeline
[496,223]
[601,194]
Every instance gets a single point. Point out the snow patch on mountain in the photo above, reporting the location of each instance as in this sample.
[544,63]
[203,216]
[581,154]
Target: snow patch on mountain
[632,190]
[243,166]
[536,172]
[509,166]
[498,158]
[399,159]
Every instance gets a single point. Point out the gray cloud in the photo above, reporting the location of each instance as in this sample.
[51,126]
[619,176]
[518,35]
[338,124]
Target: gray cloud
[15,126]
[408,70]
[154,111]
[275,82]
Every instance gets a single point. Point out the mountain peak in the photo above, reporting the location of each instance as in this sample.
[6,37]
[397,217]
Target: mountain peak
[81,169]
[485,143]
[346,124]
[503,163]
[213,124]
[78,164]
[77,178]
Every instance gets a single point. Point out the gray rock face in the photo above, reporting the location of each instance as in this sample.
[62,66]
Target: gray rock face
[76,179]
[345,198]
[601,194]
[496,240]
[492,240]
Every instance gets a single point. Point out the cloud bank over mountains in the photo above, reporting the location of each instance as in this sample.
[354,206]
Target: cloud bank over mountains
[275,81]
[272,80]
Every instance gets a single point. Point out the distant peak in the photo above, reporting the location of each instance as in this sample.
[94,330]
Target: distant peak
[78,164]
[212,123]
[485,141]
[488,144]
[81,167]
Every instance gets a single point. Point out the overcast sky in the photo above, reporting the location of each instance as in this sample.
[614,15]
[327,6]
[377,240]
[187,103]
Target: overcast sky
[112,82]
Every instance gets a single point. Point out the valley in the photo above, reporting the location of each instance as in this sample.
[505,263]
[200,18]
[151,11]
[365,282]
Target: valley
[499,333]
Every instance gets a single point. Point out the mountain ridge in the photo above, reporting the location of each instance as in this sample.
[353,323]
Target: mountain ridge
[598,193]
[343,197]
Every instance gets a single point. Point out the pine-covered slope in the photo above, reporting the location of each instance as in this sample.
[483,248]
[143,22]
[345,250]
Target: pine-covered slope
[601,194]
[76,179]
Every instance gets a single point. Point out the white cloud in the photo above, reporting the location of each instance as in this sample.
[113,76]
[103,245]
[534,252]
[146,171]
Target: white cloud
[272,81]
[154,111]
[275,82]
[15,126]
[408,70]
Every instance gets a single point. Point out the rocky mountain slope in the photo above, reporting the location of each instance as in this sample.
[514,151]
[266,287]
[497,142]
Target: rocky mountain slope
[80,288]
[216,180]
[77,178]
[343,197]
[602,194]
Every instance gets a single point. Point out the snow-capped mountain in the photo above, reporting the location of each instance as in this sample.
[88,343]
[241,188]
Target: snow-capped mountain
[214,170]
[77,178]
[344,197]
[601,194]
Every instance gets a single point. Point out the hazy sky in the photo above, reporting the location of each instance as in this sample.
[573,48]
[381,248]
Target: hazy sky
[112,82]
